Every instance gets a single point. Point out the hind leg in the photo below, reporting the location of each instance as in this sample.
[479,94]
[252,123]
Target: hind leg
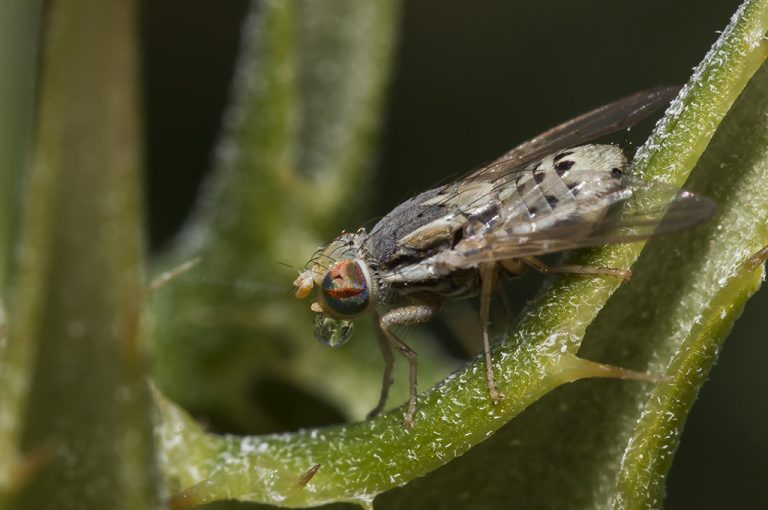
[541,267]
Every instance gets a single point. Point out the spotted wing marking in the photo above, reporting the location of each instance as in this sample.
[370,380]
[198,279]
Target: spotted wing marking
[543,196]
[527,200]
[601,121]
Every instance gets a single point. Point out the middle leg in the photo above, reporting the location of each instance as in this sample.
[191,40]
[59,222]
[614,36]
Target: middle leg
[488,275]
[541,267]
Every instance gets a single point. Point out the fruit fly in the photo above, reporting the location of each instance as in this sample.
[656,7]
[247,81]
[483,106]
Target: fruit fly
[553,193]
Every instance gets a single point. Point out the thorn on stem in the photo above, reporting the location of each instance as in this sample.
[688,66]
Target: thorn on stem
[308,475]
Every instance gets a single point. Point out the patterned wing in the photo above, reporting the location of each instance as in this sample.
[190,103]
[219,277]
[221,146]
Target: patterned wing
[607,119]
[574,199]
[521,201]
[433,220]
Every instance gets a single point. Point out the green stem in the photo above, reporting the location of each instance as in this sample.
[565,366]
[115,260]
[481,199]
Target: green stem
[84,438]
[18,50]
[295,151]
[18,57]
[740,229]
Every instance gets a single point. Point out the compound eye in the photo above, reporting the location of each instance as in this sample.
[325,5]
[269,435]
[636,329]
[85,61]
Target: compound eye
[332,332]
[345,291]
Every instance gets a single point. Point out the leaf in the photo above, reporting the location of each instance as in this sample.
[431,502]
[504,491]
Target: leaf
[18,29]
[73,380]
[18,47]
[360,460]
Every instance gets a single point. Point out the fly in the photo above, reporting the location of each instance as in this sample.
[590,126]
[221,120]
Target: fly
[553,193]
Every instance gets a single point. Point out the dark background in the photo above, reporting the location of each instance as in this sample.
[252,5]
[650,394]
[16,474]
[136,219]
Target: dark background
[471,80]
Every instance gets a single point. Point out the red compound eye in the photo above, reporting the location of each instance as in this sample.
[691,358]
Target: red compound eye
[345,291]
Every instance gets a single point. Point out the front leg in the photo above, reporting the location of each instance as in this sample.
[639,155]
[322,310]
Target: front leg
[389,363]
[403,316]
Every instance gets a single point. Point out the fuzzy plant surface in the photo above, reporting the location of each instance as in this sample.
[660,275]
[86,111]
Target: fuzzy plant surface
[75,425]
[670,320]
[84,326]
[297,147]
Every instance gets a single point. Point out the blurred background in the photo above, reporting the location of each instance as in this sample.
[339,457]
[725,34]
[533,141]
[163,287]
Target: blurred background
[469,82]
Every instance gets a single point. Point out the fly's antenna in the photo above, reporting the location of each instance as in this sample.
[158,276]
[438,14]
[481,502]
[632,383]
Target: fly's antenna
[299,271]
[308,267]
[315,261]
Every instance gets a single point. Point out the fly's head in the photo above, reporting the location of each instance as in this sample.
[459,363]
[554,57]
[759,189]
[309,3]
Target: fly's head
[346,287]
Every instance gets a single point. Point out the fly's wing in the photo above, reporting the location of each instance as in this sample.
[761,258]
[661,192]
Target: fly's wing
[438,215]
[607,119]
[630,210]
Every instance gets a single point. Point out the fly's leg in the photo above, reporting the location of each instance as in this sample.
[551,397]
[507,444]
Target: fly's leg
[488,275]
[541,267]
[404,316]
[389,364]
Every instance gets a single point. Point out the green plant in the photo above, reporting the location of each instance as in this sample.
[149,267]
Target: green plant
[75,429]
[361,460]
[76,409]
